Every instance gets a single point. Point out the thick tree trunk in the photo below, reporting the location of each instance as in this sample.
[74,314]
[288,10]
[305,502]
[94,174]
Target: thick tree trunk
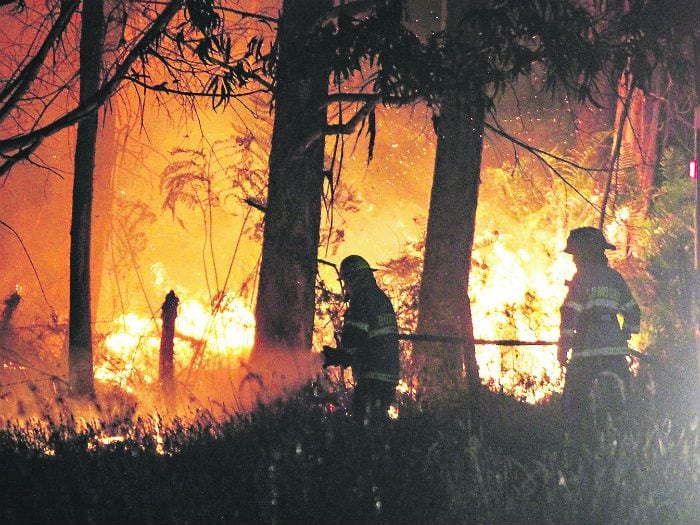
[284,311]
[444,307]
[107,150]
[443,304]
[80,366]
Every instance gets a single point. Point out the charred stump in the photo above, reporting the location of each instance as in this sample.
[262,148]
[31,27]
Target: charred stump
[166,368]
[11,304]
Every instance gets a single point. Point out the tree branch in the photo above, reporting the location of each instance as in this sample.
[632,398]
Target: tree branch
[349,126]
[163,88]
[108,88]
[16,87]
[348,9]
[542,156]
[615,153]
[29,257]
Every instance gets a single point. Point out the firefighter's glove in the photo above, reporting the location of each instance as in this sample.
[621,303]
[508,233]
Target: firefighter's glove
[334,357]
[331,356]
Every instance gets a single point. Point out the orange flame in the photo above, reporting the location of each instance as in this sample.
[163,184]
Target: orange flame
[130,351]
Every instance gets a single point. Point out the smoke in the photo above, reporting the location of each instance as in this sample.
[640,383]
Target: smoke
[276,373]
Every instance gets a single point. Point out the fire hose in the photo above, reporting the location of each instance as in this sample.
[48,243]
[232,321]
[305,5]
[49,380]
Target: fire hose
[430,338]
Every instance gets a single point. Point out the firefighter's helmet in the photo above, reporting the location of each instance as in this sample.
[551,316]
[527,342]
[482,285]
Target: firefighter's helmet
[352,265]
[587,239]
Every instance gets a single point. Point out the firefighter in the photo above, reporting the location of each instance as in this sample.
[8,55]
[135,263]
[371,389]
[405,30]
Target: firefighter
[590,324]
[369,341]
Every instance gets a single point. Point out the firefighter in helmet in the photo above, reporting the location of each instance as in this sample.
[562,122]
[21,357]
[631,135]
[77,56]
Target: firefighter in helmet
[369,341]
[590,321]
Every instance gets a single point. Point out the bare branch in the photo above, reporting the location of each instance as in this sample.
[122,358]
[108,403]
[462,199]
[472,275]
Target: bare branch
[248,14]
[540,152]
[239,12]
[352,97]
[108,88]
[615,154]
[543,156]
[22,154]
[349,126]
[15,88]
[29,257]
[255,204]
[348,9]
[164,88]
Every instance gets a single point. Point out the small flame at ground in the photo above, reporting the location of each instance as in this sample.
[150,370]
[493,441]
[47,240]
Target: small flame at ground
[203,337]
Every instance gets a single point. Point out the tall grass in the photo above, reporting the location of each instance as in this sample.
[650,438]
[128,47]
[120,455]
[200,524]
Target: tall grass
[463,459]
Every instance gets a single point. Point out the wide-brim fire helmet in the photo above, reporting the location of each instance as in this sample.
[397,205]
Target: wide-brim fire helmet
[353,265]
[587,239]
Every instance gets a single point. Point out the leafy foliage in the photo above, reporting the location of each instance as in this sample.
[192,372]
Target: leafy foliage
[666,249]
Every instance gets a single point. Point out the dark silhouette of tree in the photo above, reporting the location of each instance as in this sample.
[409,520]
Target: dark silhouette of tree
[485,47]
[317,42]
[285,304]
[193,45]
[80,371]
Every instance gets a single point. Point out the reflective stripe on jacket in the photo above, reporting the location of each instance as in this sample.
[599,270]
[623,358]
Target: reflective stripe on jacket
[371,336]
[600,352]
[589,315]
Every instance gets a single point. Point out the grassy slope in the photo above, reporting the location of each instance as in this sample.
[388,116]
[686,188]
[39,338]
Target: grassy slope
[486,460]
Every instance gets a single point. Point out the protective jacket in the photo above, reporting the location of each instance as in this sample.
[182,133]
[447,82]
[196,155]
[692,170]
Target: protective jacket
[589,315]
[370,335]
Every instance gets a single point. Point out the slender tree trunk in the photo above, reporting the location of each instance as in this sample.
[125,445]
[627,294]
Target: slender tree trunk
[696,248]
[284,311]
[80,366]
[444,307]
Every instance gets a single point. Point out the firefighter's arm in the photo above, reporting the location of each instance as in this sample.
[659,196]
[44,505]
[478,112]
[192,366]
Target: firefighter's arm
[630,312]
[352,337]
[569,313]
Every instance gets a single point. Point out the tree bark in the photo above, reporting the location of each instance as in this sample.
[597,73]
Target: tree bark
[166,357]
[284,312]
[80,362]
[443,300]
[444,307]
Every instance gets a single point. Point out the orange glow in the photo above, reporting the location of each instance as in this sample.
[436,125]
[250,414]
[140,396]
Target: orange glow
[207,339]
[518,299]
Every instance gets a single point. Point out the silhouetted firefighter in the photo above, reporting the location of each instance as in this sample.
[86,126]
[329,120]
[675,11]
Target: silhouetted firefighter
[166,367]
[369,341]
[591,330]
